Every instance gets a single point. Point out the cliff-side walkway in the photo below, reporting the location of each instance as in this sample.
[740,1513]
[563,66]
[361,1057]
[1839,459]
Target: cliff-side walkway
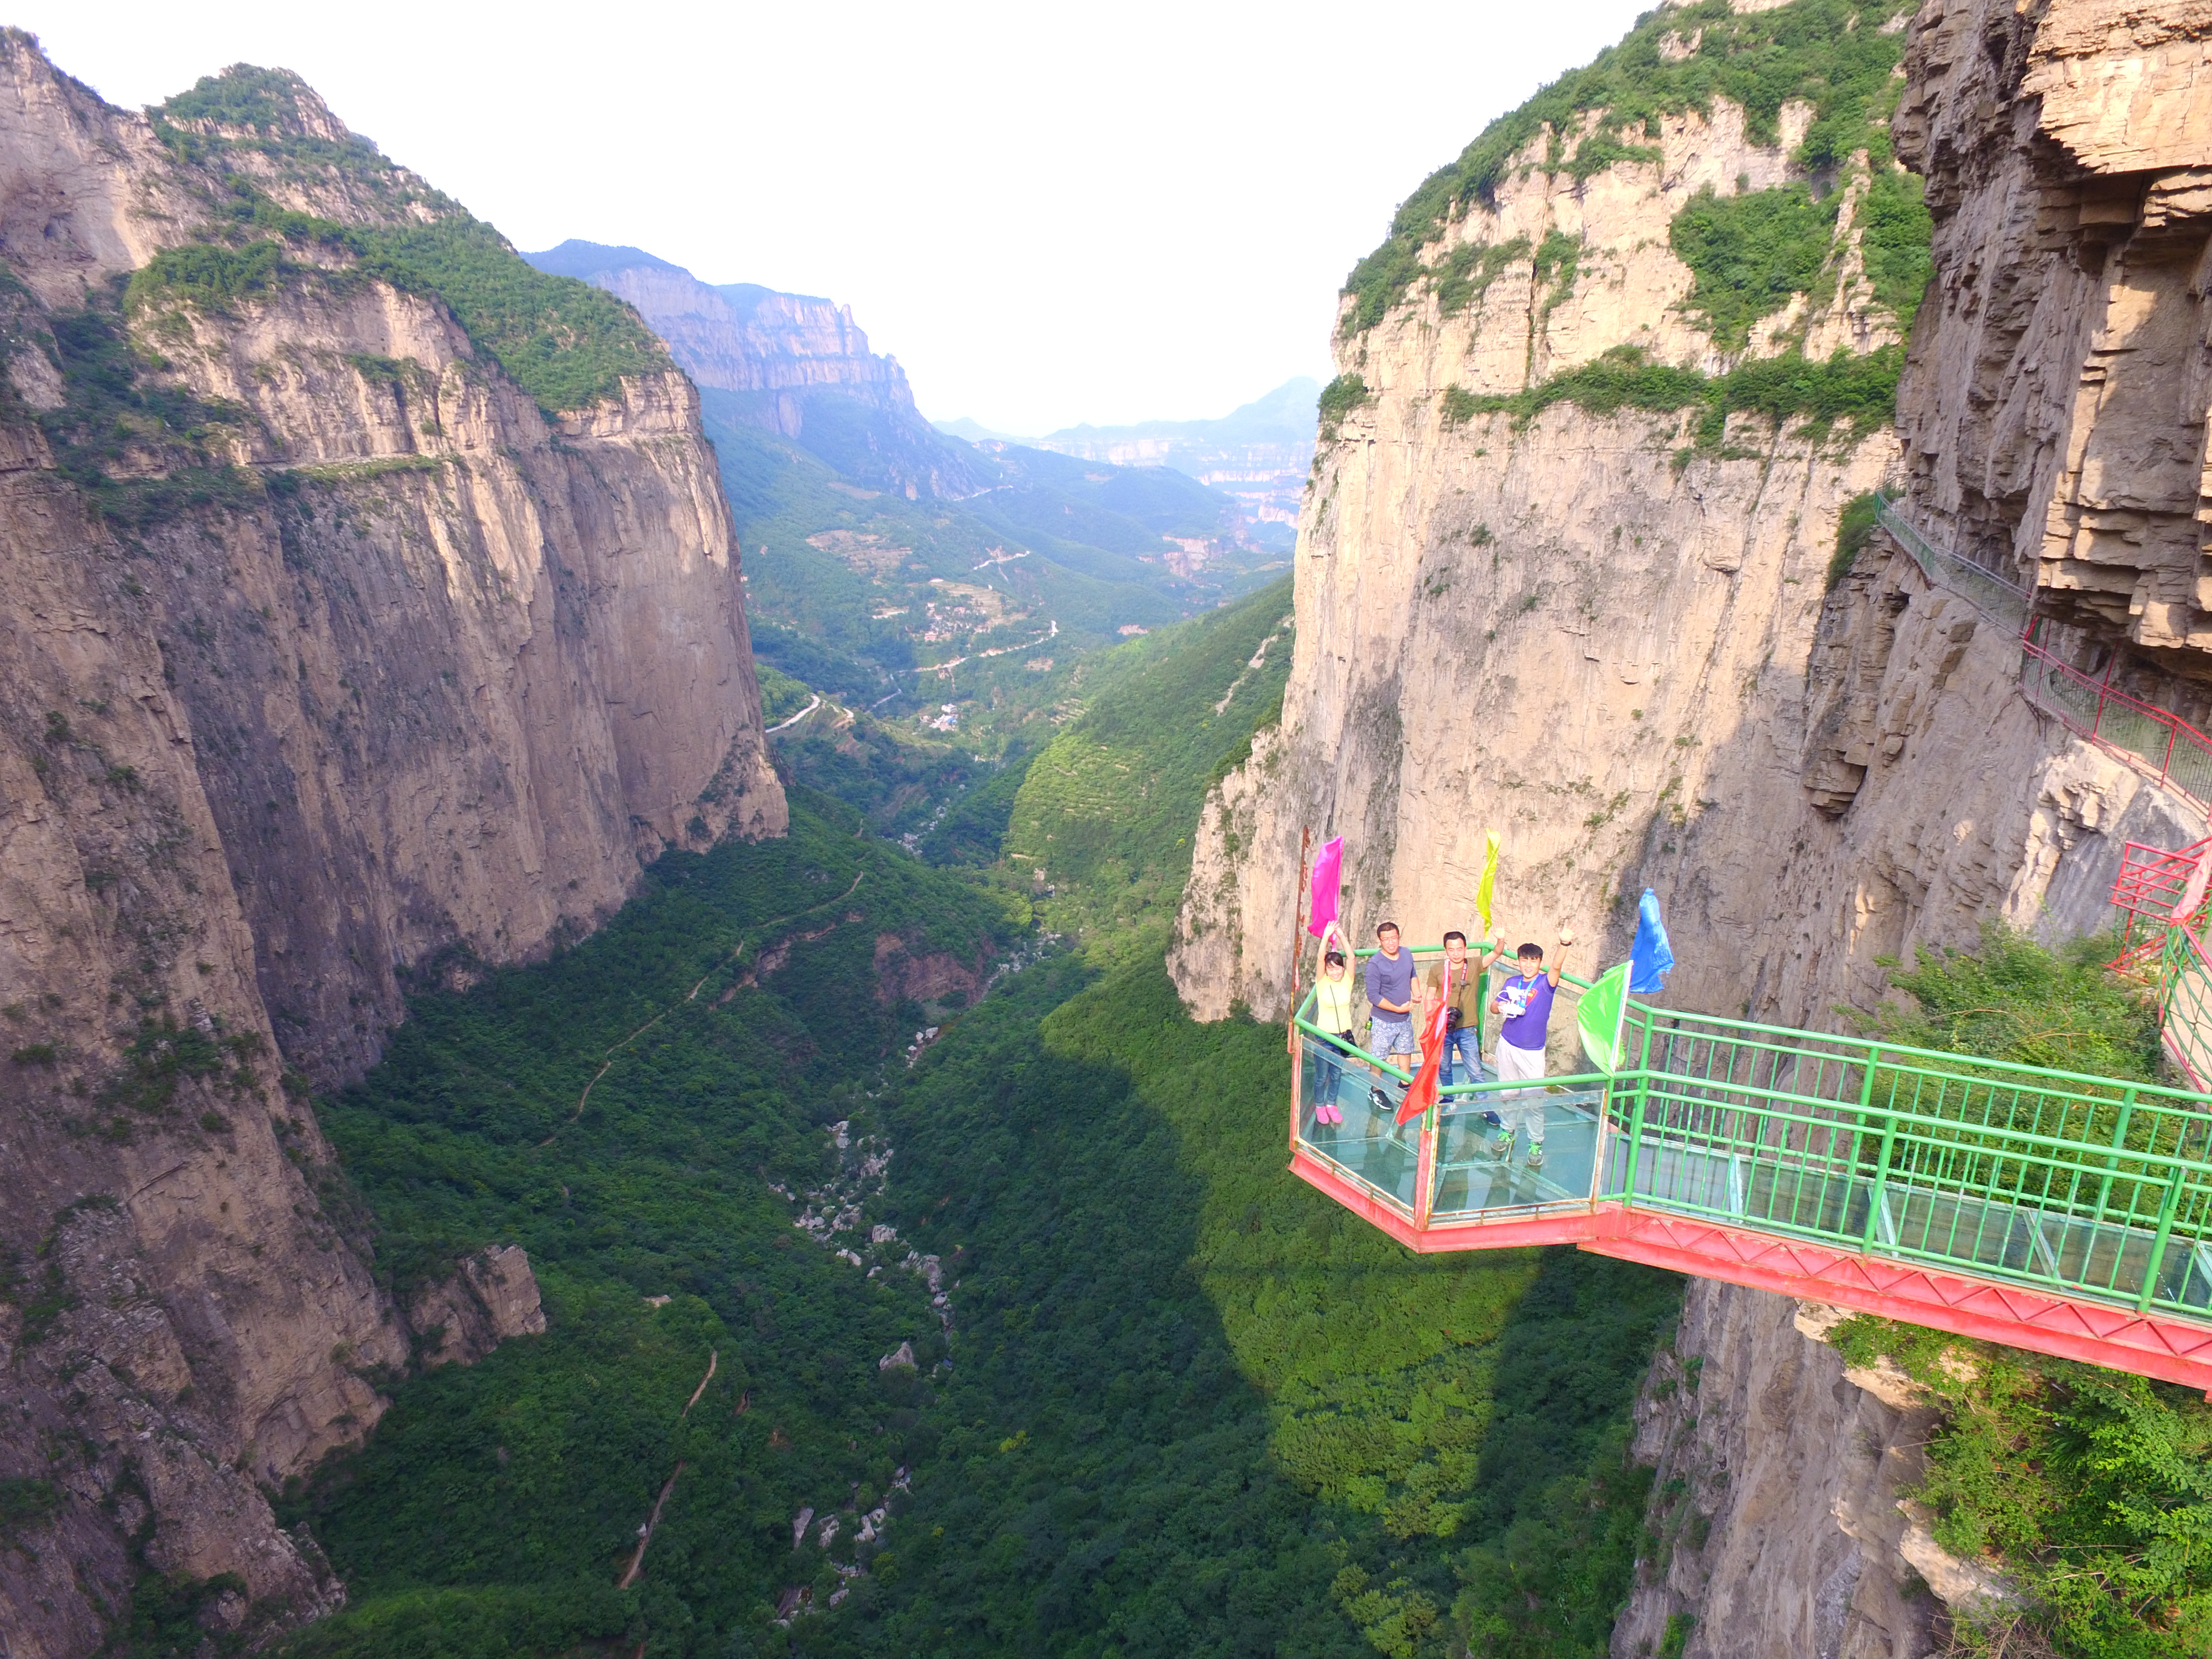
[2065,1214]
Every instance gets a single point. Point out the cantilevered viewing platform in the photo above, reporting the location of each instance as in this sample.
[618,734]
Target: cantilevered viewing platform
[2064,1213]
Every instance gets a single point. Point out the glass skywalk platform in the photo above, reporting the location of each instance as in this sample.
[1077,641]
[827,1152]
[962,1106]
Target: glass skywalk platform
[2064,1213]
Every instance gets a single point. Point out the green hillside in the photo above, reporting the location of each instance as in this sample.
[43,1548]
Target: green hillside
[496,1502]
[1105,814]
[1183,1405]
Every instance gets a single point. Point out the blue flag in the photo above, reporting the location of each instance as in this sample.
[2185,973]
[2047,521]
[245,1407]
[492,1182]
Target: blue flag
[1651,957]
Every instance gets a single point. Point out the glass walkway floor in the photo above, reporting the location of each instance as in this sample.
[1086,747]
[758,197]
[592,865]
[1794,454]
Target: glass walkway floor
[2068,1214]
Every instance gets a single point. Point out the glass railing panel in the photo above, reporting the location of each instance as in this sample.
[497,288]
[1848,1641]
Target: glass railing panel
[1366,1144]
[1483,1144]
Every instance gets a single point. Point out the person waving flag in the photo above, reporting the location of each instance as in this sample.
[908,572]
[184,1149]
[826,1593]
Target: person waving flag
[1421,1093]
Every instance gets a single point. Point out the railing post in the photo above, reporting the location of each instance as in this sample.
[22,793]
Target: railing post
[1636,1112]
[1880,1181]
[2112,1157]
[1298,1077]
[2166,1211]
[1424,1168]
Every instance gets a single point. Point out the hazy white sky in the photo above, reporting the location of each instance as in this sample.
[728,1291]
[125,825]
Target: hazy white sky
[1050,214]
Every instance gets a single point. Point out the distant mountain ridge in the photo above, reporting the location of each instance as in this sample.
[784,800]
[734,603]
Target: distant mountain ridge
[1259,452]
[798,365]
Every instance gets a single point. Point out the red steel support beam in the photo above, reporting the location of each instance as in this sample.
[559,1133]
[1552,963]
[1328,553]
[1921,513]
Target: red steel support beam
[2018,1315]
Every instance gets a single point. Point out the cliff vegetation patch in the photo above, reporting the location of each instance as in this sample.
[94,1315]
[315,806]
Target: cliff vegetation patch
[2090,1490]
[1750,254]
[1856,392]
[1834,55]
[141,449]
[566,342]
[1338,399]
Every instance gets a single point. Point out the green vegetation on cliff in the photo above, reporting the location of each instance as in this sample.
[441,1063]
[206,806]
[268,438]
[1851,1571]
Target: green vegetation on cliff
[1750,254]
[247,108]
[564,341]
[141,449]
[2090,1490]
[1858,392]
[1836,56]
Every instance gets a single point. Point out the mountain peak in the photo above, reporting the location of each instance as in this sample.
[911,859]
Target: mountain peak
[247,102]
[580,258]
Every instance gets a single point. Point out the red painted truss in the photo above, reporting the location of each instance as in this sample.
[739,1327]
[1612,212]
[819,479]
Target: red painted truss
[2149,1344]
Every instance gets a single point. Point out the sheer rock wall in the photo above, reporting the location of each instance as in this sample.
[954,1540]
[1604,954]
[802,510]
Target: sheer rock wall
[434,695]
[1616,649]
[2053,419]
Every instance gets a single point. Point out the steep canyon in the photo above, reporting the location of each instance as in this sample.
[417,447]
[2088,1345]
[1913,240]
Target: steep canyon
[354,628]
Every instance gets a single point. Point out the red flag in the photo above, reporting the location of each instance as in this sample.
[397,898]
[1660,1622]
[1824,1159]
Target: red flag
[1421,1093]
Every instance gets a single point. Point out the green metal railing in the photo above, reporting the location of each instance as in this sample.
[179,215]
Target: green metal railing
[2088,1187]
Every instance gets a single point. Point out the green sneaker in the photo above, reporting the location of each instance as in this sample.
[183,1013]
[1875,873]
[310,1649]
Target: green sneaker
[1536,1156]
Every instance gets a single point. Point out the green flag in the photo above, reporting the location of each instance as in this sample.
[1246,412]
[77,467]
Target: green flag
[1598,1017]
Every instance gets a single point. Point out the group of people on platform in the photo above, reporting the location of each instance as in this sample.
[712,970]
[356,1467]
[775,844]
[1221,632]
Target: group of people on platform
[1396,1003]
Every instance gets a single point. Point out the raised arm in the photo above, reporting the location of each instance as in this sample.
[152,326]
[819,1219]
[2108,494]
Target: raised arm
[1559,960]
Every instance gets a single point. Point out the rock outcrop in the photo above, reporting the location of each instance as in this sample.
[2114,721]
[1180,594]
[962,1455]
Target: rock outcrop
[792,364]
[1629,651]
[327,656]
[493,1298]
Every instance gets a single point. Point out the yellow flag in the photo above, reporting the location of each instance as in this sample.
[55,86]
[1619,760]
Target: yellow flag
[1485,888]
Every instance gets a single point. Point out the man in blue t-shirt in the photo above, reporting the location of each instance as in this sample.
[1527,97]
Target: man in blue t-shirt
[1389,1007]
[1525,1005]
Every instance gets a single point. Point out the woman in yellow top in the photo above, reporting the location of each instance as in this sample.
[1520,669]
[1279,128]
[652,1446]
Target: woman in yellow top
[1334,1005]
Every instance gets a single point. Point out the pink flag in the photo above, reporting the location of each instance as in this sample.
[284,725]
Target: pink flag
[1328,864]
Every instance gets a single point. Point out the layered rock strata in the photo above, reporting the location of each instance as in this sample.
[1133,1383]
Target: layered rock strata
[1627,652]
[399,673]
[793,364]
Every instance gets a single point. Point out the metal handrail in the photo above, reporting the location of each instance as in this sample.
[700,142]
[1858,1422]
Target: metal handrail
[2155,741]
[2066,1180]
[1995,596]
[2153,880]
[2167,748]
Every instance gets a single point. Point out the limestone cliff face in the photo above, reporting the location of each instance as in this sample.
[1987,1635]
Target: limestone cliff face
[1616,649]
[1588,631]
[793,363]
[393,670]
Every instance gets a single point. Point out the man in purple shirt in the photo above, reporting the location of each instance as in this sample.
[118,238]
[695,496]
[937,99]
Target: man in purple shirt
[1526,1007]
[1389,1007]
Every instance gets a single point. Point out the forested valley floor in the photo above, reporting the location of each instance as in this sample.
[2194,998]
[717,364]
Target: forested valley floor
[1171,1402]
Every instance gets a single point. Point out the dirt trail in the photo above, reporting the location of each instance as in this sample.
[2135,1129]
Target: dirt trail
[645,1531]
[691,995]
